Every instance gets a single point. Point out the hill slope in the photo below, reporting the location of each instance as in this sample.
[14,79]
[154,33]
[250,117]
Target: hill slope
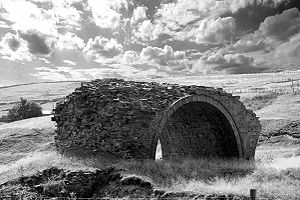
[22,137]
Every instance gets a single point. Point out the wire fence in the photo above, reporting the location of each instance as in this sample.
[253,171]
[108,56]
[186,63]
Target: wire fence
[279,90]
[291,86]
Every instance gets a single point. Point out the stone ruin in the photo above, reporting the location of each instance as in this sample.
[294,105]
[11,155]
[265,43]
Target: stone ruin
[126,119]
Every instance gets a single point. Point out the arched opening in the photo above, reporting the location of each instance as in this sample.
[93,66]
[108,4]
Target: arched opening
[198,128]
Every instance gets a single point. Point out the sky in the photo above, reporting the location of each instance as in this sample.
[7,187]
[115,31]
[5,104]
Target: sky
[57,40]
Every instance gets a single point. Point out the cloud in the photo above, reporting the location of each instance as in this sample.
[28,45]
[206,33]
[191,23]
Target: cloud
[107,13]
[37,26]
[183,12]
[102,47]
[272,32]
[149,31]
[69,62]
[118,71]
[70,41]
[14,48]
[139,14]
[12,41]
[215,30]
[167,57]
[290,50]
[34,19]
[37,43]
[130,57]
[4,25]
[281,26]
[67,15]
[226,64]
[248,44]
[45,60]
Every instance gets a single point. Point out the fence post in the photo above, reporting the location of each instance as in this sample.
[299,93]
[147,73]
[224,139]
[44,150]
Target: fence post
[253,194]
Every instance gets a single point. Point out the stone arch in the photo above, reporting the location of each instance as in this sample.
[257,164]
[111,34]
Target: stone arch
[205,101]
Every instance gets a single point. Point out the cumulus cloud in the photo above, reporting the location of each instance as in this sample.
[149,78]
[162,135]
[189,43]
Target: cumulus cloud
[139,14]
[14,48]
[130,57]
[281,26]
[37,43]
[149,31]
[183,12]
[107,13]
[226,64]
[34,19]
[289,50]
[12,41]
[37,26]
[248,44]
[102,47]
[70,41]
[173,60]
[215,30]
[273,31]
[69,73]
[67,15]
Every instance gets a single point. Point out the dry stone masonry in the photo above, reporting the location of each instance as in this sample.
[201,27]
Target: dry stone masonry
[126,119]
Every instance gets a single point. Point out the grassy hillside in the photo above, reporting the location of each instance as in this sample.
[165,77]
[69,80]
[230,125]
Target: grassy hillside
[22,137]
[28,146]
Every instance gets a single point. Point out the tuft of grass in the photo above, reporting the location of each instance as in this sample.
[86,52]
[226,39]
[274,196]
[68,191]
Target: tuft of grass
[164,173]
[38,161]
[53,187]
[269,182]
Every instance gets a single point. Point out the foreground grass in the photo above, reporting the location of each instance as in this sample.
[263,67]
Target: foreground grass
[205,176]
[165,173]
[270,184]
[37,161]
[211,176]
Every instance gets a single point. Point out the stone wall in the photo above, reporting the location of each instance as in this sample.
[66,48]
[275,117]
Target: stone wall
[125,119]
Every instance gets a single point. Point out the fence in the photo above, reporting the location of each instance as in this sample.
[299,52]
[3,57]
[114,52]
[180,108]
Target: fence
[292,87]
[252,196]
[279,90]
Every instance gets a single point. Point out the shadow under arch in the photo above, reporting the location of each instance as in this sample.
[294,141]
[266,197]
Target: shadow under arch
[198,126]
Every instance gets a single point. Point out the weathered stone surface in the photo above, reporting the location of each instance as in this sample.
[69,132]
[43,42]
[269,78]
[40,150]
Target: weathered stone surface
[127,118]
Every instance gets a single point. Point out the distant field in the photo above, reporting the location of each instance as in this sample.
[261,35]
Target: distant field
[46,94]
[246,86]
